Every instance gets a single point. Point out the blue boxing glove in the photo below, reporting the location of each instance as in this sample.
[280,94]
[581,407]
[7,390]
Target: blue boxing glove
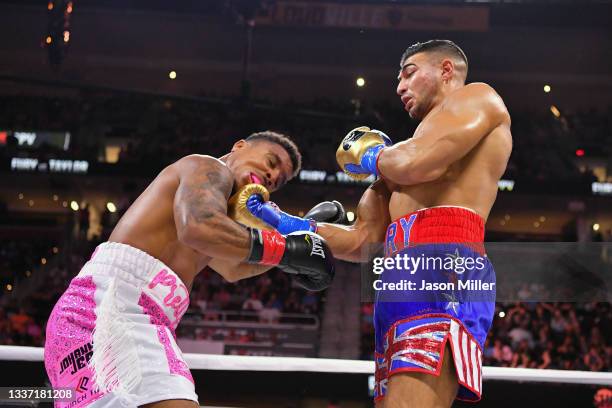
[269,213]
[359,151]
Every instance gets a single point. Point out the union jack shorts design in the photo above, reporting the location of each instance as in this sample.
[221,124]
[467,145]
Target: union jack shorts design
[417,345]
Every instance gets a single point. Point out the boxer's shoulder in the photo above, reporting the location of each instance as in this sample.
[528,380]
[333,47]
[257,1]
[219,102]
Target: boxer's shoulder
[204,171]
[481,96]
[200,160]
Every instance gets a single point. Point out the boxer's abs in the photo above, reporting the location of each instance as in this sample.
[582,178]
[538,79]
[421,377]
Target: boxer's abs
[149,226]
[470,182]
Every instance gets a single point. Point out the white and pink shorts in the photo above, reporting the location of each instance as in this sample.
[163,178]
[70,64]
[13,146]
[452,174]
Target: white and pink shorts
[111,334]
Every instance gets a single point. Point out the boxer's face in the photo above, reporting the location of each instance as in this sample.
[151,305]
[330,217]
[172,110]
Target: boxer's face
[261,162]
[420,82]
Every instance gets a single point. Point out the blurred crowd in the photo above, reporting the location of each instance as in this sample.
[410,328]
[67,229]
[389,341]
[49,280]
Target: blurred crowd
[156,130]
[567,336]
[269,298]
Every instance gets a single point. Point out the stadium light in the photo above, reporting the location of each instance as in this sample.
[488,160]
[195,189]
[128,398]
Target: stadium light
[74,205]
[110,206]
[360,82]
[555,111]
[547,88]
[595,227]
[172,75]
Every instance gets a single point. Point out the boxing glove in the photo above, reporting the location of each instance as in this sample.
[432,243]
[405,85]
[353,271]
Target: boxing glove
[304,255]
[358,153]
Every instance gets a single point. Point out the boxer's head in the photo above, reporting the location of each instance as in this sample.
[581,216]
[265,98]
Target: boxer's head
[267,158]
[427,71]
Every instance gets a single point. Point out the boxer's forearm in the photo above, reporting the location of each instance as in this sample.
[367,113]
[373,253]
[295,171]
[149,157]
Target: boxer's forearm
[406,163]
[234,271]
[346,242]
[353,243]
[217,237]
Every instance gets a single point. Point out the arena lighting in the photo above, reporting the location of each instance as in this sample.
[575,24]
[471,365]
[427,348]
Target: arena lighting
[110,206]
[69,8]
[74,205]
[360,82]
[502,314]
[20,195]
[43,261]
[66,36]
[9,287]
[547,88]
[579,152]
[542,218]
[595,227]
[31,203]
[555,111]
[350,216]
[64,204]
[55,197]
[55,250]
[50,6]
[48,40]
[172,75]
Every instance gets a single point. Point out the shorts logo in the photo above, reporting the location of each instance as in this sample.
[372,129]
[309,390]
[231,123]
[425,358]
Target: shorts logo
[82,385]
[176,301]
[77,359]
[317,247]
[401,228]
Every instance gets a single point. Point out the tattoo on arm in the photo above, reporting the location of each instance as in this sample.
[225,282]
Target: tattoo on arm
[205,194]
[200,210]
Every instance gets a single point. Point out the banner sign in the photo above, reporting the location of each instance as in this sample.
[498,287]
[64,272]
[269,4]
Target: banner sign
[376,16]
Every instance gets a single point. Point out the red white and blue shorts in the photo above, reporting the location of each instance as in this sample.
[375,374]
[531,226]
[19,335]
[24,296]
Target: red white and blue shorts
[412,328]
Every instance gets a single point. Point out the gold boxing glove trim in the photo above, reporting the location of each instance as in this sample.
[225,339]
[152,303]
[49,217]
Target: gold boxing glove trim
[238,211]
[351,150]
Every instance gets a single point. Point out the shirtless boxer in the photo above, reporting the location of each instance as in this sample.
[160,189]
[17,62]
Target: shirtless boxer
[111,334]
[438,187]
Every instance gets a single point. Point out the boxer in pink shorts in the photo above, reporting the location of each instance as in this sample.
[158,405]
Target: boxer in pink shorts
[111,334]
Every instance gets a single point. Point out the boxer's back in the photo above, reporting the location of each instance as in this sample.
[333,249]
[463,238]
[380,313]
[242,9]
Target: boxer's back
[149,226]
[470,182]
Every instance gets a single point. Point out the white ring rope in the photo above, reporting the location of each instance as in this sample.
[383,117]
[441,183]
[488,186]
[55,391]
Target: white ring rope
[328,365]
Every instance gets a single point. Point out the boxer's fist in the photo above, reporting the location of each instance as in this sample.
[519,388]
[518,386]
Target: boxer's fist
[359,150]
[328,211]
[308,257]
[268,212]
[303,254]
[237,206]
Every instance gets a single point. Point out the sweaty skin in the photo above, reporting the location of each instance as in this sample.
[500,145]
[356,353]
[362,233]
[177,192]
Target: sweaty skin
[181,218]
[456,156]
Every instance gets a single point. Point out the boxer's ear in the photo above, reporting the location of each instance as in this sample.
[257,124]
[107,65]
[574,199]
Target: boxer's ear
[241,144]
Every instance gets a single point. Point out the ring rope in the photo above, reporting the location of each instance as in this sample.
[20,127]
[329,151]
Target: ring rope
[328,365]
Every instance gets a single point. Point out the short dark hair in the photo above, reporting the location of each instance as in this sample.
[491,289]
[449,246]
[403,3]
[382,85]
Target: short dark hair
[445,46]
[285,142]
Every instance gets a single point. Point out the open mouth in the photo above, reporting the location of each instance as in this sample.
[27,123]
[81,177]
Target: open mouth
[255,179]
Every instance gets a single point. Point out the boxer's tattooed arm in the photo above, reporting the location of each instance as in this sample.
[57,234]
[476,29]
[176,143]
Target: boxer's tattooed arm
[200,209]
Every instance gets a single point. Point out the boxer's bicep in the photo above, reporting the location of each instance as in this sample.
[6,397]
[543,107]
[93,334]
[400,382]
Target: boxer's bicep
[202,193]
[200,210]
[446,137]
